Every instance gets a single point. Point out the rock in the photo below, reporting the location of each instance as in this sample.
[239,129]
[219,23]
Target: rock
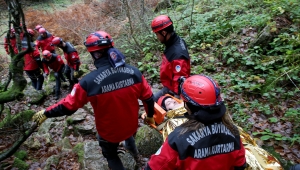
[67,131]
[65,144]
[77,117]
[127,160]
[88,107]
[264,38]
[45,127]
[48,140]
[93,158]
[34,96]
[84,129]
[52,160]
[32,143]
[148,141]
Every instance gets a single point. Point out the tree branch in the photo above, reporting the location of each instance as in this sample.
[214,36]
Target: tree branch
[9,152]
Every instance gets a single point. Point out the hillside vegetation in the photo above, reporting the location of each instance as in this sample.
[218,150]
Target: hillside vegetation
[251,47]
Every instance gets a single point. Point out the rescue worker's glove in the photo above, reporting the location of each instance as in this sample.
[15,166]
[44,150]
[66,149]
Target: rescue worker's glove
[76,74]
[39,117]
[149,120]
[45,75]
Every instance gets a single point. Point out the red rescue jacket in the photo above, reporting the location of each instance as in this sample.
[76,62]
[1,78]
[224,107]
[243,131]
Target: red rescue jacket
[212,147]
[45,43]
[71,55]
[55,63]
[113,94]
[175,63]
[31,58]
[13,42]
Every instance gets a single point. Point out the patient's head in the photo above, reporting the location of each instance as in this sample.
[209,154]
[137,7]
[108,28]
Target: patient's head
[168,103]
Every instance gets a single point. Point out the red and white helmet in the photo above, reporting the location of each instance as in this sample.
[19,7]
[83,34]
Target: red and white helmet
[31,32]
[12,31]
[42,30]
[98,40]
[47,54]
[160,22]
[56,41]
[201,90]
[38,27]
[161,101]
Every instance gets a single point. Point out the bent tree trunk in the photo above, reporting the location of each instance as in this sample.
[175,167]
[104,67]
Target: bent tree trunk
[15,92]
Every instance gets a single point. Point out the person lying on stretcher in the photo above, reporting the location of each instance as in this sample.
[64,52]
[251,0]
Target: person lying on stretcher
[169,113]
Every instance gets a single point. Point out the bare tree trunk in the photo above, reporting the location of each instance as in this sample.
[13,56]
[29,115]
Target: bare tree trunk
[127,8]
[16,15]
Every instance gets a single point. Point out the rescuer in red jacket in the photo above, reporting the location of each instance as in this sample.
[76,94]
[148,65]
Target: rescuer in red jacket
[54,62]
[32,62]
[13,42]
[208,140]
[175,59]
[72,57]
[113,91]
[44,40]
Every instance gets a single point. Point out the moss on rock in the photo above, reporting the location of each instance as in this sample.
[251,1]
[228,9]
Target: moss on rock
[148,140]
[21,165]
[79,150]
[24,116]
[21,154]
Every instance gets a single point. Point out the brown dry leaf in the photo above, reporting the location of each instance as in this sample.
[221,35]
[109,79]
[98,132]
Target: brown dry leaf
[296,152]
[290,156]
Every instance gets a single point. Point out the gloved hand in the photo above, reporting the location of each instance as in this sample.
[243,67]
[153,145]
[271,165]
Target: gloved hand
[76,74]
[39,117]
[45,75]
[149,120]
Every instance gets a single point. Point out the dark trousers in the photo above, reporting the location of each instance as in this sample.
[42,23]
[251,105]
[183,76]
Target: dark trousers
[58,77]
[109,151]
[69,73]
[36,77]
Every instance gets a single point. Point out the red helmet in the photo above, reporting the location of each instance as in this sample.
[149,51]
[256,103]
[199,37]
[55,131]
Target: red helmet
[161,22]
[47,54]
[56,41]
[38,27]
[161,101]
[201,90]
[98,40]
[42,30]
[30,31]
[12,31]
